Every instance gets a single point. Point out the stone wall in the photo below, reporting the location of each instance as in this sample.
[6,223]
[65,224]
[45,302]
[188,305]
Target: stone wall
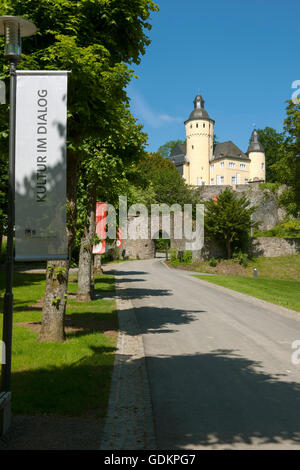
[137,249]
[209,250]
[137,246]
[273,246]
[267,213]
[260,246]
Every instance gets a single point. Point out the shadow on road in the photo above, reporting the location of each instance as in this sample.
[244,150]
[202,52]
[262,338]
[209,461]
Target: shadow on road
[116,272]
[221,398]
[160,319]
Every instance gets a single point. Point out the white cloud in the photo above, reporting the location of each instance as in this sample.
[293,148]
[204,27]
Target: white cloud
[167,118]
[142,110]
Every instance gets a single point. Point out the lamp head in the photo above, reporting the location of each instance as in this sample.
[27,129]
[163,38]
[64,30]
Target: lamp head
[14,28]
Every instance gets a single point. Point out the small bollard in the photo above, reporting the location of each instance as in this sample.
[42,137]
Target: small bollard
[180,254]
[255,273]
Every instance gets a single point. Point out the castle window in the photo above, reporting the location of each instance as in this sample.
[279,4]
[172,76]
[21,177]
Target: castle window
[262,166]
[197,124]
[233,180]
[192,147]
[246,180]
[211,167]
[222,165]
[204,124]
[242,165]
[211,181]
[231,165]
[191,126]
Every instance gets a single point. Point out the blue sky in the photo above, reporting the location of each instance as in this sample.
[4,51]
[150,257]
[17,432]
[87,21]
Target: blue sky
[242,55]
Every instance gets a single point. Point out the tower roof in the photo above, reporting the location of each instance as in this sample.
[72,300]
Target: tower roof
[199,112]
[255,145]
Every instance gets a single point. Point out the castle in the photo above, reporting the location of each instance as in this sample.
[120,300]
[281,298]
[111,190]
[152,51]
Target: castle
[201,162]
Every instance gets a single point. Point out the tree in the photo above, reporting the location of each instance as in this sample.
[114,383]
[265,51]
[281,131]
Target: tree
[166,149]
[93,38]
[103,176]
[272,142]
[228,219]
[287,167]
[168,185]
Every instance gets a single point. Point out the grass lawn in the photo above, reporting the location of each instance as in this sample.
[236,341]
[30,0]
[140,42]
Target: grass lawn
[70,378]
[281,267]
[278,278]
[278,291]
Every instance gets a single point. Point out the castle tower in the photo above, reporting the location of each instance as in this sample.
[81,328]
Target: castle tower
[258,160]
[199,129]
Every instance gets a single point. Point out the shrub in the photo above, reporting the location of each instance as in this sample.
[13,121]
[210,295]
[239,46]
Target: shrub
[160,244]
[287,229]
[241,258]
[213,262]
[273,187]
[244,259]
[173,254]
[188,256]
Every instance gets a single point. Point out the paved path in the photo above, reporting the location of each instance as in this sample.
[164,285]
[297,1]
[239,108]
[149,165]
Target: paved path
[129,421]
[218,362]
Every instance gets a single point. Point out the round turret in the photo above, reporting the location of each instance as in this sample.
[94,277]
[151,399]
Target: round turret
[199,129]
[257,156]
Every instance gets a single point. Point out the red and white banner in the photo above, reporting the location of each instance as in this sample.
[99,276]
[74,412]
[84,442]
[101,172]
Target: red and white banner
[119,238]
[101,215]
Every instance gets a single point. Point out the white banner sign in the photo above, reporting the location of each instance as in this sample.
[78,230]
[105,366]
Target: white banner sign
[40,198]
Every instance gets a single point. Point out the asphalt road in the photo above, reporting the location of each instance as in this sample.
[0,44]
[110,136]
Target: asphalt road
[219,363]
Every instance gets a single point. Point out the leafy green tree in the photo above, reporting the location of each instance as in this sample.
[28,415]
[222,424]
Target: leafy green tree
[287,167]
[166,149]
[273,144]
[104,176]
[228,219]
[93,39]
[168,185]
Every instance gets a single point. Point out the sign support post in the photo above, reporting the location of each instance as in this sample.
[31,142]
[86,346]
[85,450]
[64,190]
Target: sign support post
[8,298]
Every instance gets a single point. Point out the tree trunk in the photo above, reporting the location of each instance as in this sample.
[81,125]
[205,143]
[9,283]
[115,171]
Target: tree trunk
[55,300]
[54,306]
[97,264]
[84,290]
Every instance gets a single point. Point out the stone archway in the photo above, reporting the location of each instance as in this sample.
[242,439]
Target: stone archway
[162,243]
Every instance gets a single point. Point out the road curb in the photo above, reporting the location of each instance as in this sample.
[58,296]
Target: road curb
[129,422]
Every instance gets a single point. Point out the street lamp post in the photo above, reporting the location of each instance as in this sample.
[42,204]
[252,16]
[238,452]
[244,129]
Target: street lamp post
[13,28]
